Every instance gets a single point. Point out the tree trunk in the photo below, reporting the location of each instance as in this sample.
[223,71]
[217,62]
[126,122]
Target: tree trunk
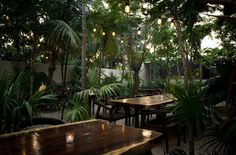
[83,77]
[178,70]
[182,52]
[52,66]
[64,86]
[136,82]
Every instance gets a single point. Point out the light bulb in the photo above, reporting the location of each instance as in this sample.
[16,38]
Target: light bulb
[172,24]
[159,21]
[103,33]
[139,32]
[94,29]
[113,33]
[127,8]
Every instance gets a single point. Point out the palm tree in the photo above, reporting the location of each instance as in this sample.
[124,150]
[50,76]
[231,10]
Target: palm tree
[84,31]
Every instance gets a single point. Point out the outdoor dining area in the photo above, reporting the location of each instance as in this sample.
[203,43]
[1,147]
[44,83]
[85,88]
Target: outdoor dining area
[102,77]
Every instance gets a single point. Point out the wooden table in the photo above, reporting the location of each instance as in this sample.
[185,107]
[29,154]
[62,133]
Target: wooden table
[143,103]
[90,137]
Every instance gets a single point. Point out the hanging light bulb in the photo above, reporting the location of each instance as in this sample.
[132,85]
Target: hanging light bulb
[94,29]
[159,21]
[113,33]
[139,32]
[127,8]
[172,24]
[103,33]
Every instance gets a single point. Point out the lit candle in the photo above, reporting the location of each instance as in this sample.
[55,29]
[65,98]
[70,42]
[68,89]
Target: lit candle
[161,97]
[69,137]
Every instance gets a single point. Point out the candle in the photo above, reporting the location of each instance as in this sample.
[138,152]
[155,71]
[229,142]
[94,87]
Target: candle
[69,137]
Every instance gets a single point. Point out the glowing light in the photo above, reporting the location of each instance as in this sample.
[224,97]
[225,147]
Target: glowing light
[113,33]
[7,17]
[139,32]
[31,33]
[103,33]
[159,22]
[94,29]
[146,133]
[103,127]
[172,24]
[70,137]
[46,57]
[121,41]
[127,8]
[41,39]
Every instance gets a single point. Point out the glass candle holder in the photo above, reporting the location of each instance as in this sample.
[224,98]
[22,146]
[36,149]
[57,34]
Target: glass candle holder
[70,137]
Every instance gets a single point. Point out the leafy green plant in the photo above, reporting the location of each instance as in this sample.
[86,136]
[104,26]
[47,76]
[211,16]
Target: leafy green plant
[220,138]
[189,109]
[78,105]
[15,104]
[31,107]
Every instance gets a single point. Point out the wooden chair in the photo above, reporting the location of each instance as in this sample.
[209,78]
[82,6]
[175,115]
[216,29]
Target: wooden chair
[38,122]
[110,114]
[164,123]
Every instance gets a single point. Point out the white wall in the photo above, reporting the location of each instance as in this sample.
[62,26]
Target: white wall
[7,66]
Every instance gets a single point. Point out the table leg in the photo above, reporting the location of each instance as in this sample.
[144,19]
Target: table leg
[142,119]
[136,118]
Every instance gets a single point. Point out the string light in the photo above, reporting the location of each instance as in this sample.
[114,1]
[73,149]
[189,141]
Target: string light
[127,8]
[159,21]
[94,29]
[121,41]
[103,33]
[7,17]
[113,33]
[139,32]
[172,24]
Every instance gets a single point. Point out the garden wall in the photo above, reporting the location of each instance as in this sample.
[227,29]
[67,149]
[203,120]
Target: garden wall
[8,65]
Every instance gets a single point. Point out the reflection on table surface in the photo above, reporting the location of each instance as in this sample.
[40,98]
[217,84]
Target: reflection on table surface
[88,137]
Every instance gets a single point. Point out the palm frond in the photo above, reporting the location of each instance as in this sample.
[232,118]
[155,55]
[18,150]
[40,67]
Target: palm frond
[62,35]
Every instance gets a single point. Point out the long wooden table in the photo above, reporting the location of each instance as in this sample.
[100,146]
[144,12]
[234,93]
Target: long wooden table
[90,137]
[143,103]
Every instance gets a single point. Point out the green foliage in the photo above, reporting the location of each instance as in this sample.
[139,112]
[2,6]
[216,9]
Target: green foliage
[111,78]
[62,35]
[128,85]
[220,138]
[78,105]
[214,90]
[16,105]
[162,85]
[77,110]
[189,108]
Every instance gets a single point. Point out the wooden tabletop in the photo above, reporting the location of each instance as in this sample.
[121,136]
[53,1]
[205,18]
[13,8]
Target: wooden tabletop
[144,102]
[90,137]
